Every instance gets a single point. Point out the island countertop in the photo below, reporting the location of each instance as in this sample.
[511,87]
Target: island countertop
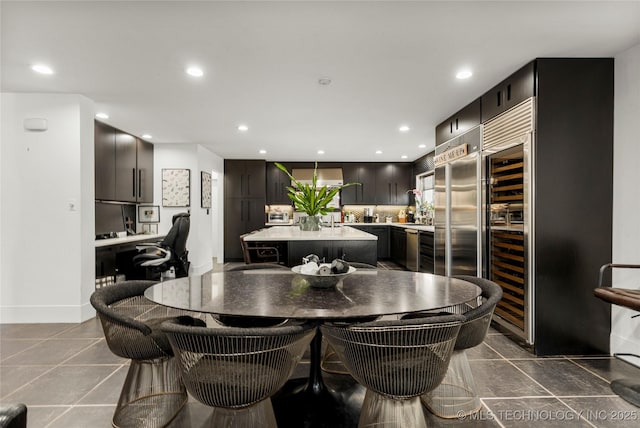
[290,233]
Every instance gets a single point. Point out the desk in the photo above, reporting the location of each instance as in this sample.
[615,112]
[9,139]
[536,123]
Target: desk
[115,256]
[282,294]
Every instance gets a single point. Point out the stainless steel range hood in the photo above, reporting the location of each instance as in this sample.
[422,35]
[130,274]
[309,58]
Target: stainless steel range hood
[326,176]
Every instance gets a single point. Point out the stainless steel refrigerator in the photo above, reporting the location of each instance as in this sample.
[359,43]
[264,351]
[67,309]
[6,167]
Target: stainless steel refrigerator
[457,199]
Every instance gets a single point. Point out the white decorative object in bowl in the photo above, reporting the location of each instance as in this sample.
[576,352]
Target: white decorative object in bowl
[322,281]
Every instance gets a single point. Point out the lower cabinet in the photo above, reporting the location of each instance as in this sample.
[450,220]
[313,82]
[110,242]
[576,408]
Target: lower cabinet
[382,232]
[426,252]
[354,251]
[398,245]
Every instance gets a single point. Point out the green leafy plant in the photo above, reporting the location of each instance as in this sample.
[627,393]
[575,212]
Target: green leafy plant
[310,198]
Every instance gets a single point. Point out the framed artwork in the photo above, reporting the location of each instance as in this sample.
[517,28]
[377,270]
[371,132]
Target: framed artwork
[148,213]
[205,188]
[176,187]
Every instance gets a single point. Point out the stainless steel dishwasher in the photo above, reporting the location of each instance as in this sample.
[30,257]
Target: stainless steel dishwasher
[413,250]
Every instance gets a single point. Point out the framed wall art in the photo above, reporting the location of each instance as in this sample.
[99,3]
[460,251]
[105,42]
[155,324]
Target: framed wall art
[176,187]
[148,214]
[205,188]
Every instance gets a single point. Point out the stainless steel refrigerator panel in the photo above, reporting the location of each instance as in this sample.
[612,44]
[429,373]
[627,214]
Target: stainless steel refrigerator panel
[440,221]
[464,216]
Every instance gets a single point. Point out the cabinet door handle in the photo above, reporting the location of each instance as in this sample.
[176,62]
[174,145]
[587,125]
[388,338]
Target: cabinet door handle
[248,210]
[140,183]
[249,184]
[133,181]
[508,92]
[451,127]
[456,124]
[389,191]
[396,192]
[499,94]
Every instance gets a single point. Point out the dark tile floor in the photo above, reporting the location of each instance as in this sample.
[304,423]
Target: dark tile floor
[68,378]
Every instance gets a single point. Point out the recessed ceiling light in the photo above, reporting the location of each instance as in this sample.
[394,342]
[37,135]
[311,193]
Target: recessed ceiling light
[378,152]
[464,74]
[320,152]
[262,151]
[324,81]
[42,69]
[195,71]
[243,128]
[102,115]
[147,136]
[404,128]
[422,146]
[403,157]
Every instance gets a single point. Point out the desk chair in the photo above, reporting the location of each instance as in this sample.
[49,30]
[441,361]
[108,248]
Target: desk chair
[237,370]
[628,389]
[171,252]
[397,361]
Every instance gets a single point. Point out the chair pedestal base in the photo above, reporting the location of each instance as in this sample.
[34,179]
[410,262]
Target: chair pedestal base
[152,395]
[456,396]
[257,415]
[628,390]
[384,412]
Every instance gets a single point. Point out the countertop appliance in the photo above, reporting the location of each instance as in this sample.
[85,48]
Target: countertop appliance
[278,217]
[458,239]
[368,215]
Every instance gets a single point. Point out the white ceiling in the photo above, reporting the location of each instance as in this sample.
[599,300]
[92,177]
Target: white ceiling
[391,63]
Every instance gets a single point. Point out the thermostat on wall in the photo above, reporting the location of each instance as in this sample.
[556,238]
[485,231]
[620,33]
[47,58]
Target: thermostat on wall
[35,124]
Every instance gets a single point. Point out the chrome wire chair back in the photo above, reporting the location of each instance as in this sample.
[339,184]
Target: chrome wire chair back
[457,395]
[236,370]
[152,394]
[397,361]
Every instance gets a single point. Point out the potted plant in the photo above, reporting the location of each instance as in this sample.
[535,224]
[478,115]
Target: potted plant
[310,198]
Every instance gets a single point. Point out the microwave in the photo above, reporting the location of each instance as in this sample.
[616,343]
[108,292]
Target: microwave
[278,217]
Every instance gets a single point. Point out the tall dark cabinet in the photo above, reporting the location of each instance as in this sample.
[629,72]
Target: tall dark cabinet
[277,182]
[393,183]
[547,252]
[123,166]
[245,200]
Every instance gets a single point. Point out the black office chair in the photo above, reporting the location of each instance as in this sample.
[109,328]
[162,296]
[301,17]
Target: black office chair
[13,415]
[628,389]
[171,252]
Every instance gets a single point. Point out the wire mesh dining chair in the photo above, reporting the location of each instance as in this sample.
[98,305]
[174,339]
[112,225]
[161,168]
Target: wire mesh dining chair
[397,361]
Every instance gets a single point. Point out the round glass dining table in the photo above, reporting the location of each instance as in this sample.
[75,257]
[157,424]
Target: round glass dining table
[278,293]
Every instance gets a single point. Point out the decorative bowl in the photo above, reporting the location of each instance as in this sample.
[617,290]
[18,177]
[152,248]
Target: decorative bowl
[322,281]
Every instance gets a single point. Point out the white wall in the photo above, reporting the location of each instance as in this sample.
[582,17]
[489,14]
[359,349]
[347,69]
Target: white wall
[203,235]
[625,332]
[47,191]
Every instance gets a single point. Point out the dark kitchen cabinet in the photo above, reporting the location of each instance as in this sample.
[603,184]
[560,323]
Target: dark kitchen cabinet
[365,192]
[244,179]
[509,93]
[351,251]
[105,161]
[393,183]
[382,232]
[244,202]
[426,252]
[123,166]
[398,245]
[457,124]
[277,182]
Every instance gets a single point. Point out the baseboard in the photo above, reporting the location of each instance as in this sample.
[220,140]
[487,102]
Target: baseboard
[45,314]
[200,269]
[625,345]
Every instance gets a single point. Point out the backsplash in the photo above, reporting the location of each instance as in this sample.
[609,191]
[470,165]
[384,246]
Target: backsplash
[382,211]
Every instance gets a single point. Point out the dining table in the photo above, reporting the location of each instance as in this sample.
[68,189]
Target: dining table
[281,293]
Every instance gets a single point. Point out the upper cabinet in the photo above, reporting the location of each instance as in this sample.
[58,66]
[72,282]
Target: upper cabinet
[277,182]
[363,194]
[123,166]
[509,93]
[459,123]
[244,179]
[393,183]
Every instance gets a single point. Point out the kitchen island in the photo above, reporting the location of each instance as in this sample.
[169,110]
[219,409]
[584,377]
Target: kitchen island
[344,242]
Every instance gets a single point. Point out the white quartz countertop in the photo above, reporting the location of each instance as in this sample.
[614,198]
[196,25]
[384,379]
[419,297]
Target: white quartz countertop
[291,233]
[127,240]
